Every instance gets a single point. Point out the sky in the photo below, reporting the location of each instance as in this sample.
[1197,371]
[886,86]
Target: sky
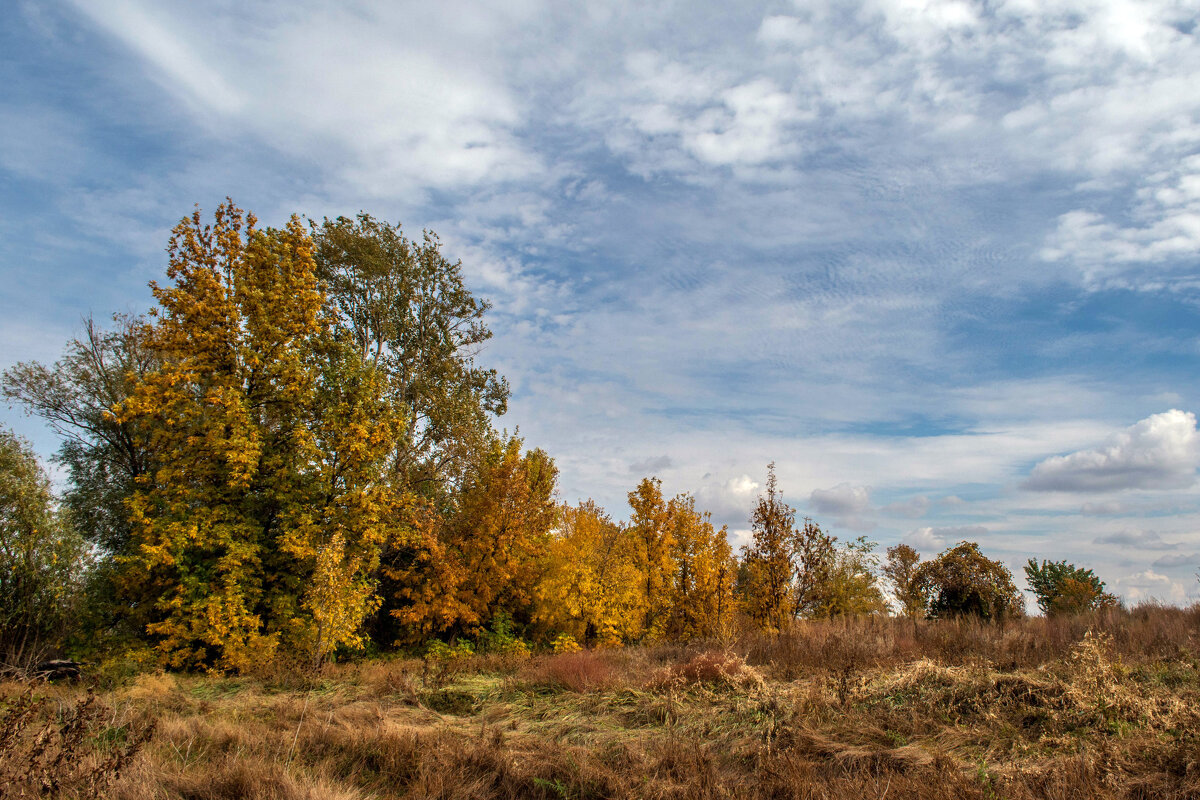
[938,260]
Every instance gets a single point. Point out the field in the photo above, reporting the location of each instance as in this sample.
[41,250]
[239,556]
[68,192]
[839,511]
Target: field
[1085,707]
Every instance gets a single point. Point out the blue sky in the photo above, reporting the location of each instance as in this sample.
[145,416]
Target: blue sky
[937,259]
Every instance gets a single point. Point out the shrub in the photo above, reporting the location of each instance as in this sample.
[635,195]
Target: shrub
[565,643]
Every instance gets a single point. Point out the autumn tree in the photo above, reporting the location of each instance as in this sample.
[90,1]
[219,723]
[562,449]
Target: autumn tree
[592,588]
[263,521]
[901,571]
[703,574]
[1062,588]
[963,582]
[488,556]
[652,527]
[769,592]
[407,310]
[42,560]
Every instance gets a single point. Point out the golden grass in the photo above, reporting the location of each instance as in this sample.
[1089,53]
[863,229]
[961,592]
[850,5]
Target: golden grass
[1106,706]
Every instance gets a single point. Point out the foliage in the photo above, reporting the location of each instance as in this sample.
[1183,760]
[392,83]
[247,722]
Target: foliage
[263,522]
[850,586]
[406,310]
[104,456]
[901,570]
[565,643]
[770,596]
[1062,588]
[962,581]
[500,639]
[456,573]
[42,560]
[592,589]
[703,575]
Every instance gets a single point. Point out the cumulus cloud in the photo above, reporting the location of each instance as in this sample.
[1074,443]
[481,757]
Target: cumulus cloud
[1142,540]
[731,500]
[1160,452]
[848,504]
[1151,585]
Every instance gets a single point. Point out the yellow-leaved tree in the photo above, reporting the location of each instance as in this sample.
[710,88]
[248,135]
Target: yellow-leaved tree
[704,575]
[262,524]
[592,588]
[487,556]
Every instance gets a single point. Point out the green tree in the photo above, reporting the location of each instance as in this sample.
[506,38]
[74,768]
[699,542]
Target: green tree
[963,582]
[901,570]
[104,457]
[42,560]
[1062,588]
[850,587]
[408,312]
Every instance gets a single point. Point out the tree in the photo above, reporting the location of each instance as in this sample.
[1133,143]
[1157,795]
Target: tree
[652,527]
[592,588]
[850,587]
[770,594]
[104,456]
[963,582]
[407,311]
[901,570]
[485,558]
[42,559]
[817,559]
[701,592]
[263,521]
[1062,588]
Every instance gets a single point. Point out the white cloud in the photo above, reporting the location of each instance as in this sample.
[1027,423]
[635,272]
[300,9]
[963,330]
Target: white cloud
[1160,452]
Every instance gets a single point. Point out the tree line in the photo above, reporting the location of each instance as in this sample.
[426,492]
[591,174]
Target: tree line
[294,454]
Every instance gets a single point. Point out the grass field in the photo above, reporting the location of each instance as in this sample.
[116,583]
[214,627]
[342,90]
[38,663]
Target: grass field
[1087,707]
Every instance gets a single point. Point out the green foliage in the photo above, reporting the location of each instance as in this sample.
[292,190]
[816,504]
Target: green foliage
[43,561]
[104,456]
[901,570]
[851,587]
[963,582]
[407,311]
[1062,588]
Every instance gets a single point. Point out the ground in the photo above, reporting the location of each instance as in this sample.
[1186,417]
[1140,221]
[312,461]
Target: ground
[1094,706]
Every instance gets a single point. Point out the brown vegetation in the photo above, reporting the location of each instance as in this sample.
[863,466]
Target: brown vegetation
[1097,706]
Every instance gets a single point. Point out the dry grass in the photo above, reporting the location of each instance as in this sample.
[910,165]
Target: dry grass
[1106,706]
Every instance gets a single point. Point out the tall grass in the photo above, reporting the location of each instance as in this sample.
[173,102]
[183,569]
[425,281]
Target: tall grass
[1099,706]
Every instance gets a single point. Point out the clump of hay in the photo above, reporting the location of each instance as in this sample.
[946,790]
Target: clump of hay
[714,668]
